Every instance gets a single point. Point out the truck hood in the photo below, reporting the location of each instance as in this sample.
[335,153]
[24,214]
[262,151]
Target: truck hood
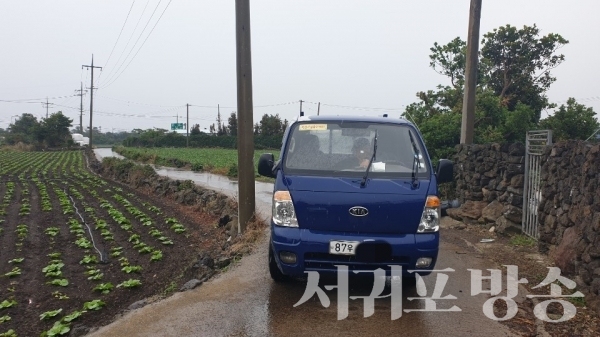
[394,206]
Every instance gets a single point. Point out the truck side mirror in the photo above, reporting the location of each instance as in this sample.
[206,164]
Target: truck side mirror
[265,165]
[445,171]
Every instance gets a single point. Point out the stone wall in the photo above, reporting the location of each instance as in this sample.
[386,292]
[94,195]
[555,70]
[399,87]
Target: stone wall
[489,180]
[569,212]
[489,183]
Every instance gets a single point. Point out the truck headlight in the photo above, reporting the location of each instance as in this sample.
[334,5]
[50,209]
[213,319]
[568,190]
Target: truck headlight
[283,210]
[430,220]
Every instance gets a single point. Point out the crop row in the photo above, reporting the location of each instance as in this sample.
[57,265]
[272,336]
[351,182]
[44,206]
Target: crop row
[86,222]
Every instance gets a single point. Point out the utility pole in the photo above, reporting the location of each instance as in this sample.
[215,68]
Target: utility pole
[245,139]
[468,112]
[187,125]
[319,108]
[47,104]
[301,113]
[91,98]
[81,108]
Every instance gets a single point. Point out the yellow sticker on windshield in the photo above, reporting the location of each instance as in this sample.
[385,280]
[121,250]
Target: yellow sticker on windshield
[313,127]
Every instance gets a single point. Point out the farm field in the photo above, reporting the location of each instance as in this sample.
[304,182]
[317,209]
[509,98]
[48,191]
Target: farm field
[77,249]
[218,161]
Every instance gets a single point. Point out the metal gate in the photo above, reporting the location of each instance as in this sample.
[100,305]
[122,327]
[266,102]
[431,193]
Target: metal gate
[532,192]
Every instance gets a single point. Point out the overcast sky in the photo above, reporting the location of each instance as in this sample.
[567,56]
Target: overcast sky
[352,56]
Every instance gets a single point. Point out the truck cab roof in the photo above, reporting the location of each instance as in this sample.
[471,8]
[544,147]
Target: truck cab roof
[348,118]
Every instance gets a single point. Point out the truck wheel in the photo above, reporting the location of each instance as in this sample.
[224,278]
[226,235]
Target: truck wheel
[409,282]
[276,274]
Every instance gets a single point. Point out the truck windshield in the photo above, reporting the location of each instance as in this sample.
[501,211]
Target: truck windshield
[345,149]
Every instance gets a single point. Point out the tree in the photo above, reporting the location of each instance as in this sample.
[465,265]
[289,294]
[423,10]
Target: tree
[195,130]
[271,125]
[513,77]
[517,65]
[23,130]
[233,125]
[54,130]
[221,130]
[573,121]
[450,60]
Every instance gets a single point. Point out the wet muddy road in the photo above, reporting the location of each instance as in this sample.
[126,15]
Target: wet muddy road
[245,302]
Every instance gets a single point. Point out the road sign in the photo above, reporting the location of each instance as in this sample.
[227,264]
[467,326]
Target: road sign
[177,126]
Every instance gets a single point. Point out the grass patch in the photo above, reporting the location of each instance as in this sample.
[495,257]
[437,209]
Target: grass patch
[213,160]
[522,240]
[171,288]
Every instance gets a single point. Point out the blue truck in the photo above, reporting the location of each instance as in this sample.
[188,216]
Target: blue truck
[355,191]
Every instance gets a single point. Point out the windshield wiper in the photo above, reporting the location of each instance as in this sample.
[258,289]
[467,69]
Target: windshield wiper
[416,161]
[364,180]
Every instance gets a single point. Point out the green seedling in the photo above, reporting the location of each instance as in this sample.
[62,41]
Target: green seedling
[83,243]
[16,261]
[115,254]
[93,305]
[59,282]
[14,272]
[5,318]
[135,239]
[155,233]
[7,304]
[156,255]
[131,269]
[58,329]
[9,333]
[89,259]
[50,314]
[145,250]
[53,270]
[104,288]
[96,277]
[73,316]
[52,231]
[131,283]
[59,295]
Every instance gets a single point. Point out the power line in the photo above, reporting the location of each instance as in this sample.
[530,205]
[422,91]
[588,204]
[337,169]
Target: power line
[132,34]
[137,40]
[118,37]
[132,102]
[143,43]
[28,100]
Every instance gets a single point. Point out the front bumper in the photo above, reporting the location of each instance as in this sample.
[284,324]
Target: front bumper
[376,251]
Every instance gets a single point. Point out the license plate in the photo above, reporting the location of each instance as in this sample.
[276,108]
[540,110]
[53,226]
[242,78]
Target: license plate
[343,247]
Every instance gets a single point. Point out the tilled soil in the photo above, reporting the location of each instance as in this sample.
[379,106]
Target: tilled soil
[30,289]
[533,266]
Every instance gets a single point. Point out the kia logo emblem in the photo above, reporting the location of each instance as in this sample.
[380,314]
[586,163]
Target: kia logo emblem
[358,211]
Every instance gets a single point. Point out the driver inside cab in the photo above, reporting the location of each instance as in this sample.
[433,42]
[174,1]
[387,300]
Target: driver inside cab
[361,155]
